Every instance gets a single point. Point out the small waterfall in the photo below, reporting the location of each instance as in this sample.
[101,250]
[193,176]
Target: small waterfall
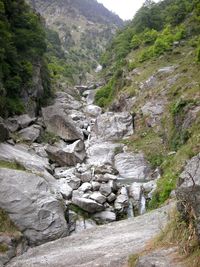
[142,205]
[130,213]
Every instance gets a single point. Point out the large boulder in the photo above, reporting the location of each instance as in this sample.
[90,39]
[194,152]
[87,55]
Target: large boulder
[30,204]
[93,110]
[88,205]
[112,126]
[57,122]
[28,159]
[69,155]
[188,193]
[132,166]
[30,134]
[102,153]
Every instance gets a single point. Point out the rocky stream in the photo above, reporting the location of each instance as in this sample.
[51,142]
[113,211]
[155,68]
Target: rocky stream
[84,177]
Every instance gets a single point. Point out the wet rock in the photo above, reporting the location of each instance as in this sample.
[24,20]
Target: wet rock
[83,224]
[28,200]
[69,155]
[113,126]
[121,202]
[104,217]
[98,197]
[132,166]
[88,205]
[57,122]
[30,134]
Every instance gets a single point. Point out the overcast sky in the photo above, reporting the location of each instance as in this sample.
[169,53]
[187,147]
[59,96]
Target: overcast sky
[124,8]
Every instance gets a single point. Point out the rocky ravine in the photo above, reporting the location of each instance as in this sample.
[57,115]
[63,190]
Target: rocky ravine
[82,167]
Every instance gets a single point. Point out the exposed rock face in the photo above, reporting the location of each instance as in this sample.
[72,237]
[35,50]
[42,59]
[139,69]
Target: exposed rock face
[132,166]
[30,204]
[113,126]
[60,124]
[108,245]
[69,155]
[188,194]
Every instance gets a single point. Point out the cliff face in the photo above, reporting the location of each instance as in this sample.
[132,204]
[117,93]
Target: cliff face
[84,28]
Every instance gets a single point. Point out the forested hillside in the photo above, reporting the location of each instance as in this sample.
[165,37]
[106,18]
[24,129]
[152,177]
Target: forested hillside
[24,79]
[78,32]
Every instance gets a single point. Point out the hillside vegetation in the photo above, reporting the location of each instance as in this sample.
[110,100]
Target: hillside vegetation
[154,63]
[78,32]
[22,48]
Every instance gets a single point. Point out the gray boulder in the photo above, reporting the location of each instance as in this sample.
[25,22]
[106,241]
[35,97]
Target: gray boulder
[113,126]
[93,111]
[57,122]
[30,134]
[24,120]
[105,189]
[132,166]
[104,217]
[85,187]
[29,159]
[30,204]
[99,154]
[98,197]
[88,205]
[64,188]
[69,155]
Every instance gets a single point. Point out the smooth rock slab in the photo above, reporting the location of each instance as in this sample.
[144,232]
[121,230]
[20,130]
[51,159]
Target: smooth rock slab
[132,166]
[105,246]
[112,126]
[30,204]
[102,153]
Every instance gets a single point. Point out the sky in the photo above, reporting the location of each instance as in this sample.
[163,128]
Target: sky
[124,8]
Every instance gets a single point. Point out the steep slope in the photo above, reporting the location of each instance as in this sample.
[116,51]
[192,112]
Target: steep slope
[84,28]
[24,77]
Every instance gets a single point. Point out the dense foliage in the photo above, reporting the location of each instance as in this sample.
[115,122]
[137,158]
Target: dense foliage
[22,46]
[155,24]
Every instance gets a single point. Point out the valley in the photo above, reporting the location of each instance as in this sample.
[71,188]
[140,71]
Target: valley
[100,168]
